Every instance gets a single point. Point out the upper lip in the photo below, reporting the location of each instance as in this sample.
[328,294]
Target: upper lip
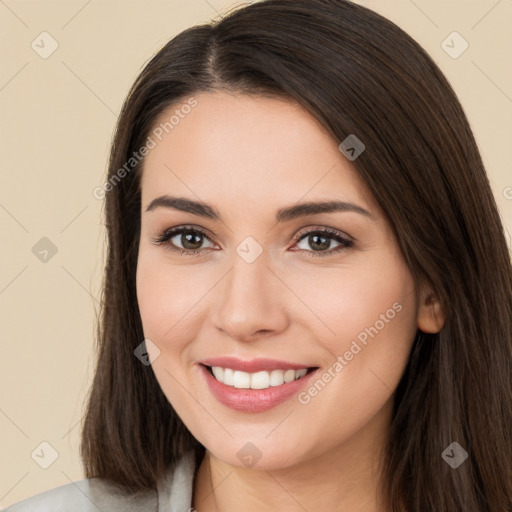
[253,365]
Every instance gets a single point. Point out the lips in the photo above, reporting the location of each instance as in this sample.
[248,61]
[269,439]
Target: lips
[254,365]
[255,400]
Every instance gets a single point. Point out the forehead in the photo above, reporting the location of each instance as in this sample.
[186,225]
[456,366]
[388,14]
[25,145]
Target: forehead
[244,146]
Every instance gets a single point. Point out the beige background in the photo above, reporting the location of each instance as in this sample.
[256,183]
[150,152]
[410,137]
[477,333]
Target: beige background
[57,116]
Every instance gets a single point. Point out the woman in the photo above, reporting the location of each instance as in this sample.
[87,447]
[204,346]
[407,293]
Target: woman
[308,291]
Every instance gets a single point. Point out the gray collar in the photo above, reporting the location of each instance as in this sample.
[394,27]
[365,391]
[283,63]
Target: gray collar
[175,489]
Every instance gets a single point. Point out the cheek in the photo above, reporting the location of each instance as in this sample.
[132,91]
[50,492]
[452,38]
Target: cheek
[365,320]
[377,332]
[368,324]
[167,295]
[166,299]
[358,300]
[152,296]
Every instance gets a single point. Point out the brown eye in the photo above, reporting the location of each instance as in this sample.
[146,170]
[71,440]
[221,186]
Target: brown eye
[184,240]
[189,240]
[319,242]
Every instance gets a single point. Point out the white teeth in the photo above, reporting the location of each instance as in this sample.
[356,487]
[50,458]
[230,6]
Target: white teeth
[258,380]
[289,375]
[241,380]
[228,376]
[276,377]
[218,372]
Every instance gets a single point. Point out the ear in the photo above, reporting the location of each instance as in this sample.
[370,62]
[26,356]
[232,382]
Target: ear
[431,316]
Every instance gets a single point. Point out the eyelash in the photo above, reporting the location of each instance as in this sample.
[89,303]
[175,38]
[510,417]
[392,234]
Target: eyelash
[164,239]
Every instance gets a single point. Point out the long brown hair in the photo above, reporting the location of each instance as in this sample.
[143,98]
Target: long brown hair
[357,73]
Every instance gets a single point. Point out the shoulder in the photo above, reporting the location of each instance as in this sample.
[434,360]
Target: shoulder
[174,492]
[90,495]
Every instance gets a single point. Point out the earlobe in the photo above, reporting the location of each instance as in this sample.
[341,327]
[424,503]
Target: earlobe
[430,313]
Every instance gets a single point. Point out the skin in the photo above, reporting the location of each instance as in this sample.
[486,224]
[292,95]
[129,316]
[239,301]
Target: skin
[247,157]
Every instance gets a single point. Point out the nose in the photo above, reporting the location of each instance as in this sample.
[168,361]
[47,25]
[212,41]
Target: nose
[251,301]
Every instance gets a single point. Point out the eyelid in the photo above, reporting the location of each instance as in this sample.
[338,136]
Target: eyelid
[324,229]
[176,230]
[164,237]
[345,241]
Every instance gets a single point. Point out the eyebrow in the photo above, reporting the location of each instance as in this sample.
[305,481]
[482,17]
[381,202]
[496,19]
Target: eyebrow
[282,215]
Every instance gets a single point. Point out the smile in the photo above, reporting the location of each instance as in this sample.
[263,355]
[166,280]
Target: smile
[258,380]
[256,391]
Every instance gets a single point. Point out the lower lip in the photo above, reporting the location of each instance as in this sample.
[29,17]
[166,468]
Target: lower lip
[253,400]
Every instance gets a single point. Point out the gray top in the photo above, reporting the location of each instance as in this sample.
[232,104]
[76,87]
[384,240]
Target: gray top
[97,495]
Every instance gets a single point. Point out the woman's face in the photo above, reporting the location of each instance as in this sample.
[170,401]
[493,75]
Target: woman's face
[258,286]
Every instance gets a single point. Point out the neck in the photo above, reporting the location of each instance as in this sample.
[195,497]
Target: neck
[342,478]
